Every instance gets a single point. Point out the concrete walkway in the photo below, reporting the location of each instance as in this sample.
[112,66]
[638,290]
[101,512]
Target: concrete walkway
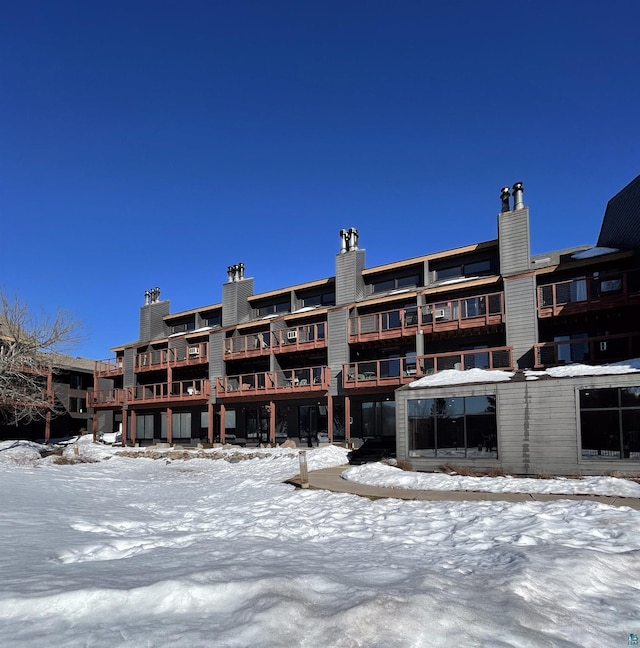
[330,479]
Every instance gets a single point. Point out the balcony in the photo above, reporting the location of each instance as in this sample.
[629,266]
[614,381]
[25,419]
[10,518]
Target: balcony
[594,350]
[299,338]
[105,398]
[181,391]
[192,354]
[459,314]
[448,315]
[284,382]
[399,371]
[400,322]
[584,294]
[104,368]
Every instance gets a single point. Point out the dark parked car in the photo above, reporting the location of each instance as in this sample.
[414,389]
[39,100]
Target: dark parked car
[374,449]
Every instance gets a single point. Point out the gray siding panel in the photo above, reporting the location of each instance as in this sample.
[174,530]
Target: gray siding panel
[235,302]
[129,378]
[349,281]
[152,326]
[337,346]
[521,318]
[216,360]
[514,246]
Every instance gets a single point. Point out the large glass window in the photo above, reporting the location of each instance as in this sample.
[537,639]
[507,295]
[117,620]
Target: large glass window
[144,426]
[394,283]
[469,269]
[320,299]
[378,418]
[454,427]
[270,309]
[181,425]
[610,423]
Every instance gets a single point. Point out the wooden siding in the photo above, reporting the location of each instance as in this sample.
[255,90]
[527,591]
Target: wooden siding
[538,425]
[513,228]
[337,346]
[129,378]
[520,318]
[235,302]
[349,280]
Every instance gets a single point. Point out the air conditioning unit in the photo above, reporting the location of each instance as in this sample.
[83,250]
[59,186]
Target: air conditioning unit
[292,335]
[438,313]
[194,351]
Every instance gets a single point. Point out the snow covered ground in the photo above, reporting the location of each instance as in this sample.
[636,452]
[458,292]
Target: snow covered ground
[379,474]
[143,552]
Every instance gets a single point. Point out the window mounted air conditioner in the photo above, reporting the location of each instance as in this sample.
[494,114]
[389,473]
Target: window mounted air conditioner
[194,351]
[438,313]
[292,335]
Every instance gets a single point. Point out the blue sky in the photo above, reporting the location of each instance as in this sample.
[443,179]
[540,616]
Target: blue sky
[155,143]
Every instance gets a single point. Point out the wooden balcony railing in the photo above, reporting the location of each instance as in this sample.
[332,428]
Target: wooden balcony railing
[184,390]
[104,368]
[282,382]
[105,397]
[399,371]
[581,294]
[192,354]
[299,338]
[447,315]
[588,350]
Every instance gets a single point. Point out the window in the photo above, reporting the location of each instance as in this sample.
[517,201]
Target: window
[574,350]
[144,426]
[270,309]
[610,423]
[322,299]
[463,426]
[183,327]
[181,425]
[378,418]
[394,283]
[213,320]
[77,381]
[469,269]
[78,405]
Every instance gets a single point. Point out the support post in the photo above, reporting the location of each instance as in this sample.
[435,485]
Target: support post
[272,422]
[125,420]
[222,422]
[133,426]
[347,420]
[210,423]
[330,417]
[169,425]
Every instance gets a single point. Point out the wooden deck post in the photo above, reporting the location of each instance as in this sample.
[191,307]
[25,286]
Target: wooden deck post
[330,417]
[169,425]
[272,422]
[125,414]
[133,426]
[210,423]
[222,422]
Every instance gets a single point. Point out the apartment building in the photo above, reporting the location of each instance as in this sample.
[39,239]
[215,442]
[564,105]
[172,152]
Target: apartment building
[324,361]
[67,413]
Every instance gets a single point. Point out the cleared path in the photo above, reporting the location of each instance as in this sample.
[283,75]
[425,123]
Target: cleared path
[330,479]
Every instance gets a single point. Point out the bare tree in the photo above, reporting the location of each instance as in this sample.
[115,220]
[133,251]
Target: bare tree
[29,347]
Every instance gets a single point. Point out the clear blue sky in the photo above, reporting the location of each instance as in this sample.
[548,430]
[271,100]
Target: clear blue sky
[155,143]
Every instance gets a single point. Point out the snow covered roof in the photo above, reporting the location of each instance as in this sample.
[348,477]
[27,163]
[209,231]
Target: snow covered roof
[471,376]
[594,252]
[456,377]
